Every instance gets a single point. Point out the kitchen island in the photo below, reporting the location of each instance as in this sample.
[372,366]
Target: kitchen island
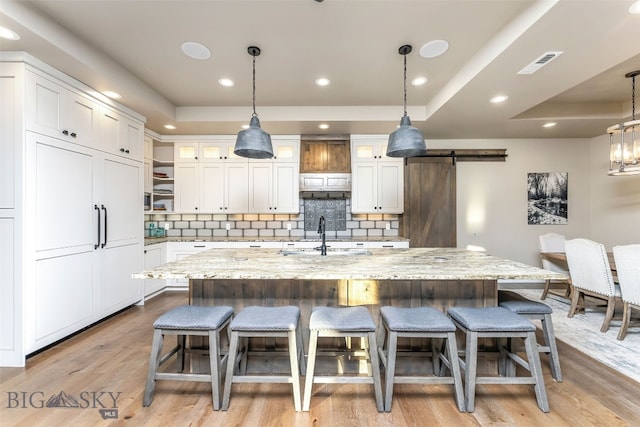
[439,277]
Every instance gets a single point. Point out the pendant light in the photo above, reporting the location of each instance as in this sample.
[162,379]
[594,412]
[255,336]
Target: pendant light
[253,142]
[406,141]
[624,140]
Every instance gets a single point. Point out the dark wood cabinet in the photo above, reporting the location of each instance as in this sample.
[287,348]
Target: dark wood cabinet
[325,155]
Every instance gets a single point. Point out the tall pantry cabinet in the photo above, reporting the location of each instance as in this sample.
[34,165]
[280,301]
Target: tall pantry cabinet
[78,185]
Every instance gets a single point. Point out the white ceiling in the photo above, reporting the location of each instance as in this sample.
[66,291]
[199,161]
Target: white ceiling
[133,47]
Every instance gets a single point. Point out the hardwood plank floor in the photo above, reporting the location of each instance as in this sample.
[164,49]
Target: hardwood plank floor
[109,361]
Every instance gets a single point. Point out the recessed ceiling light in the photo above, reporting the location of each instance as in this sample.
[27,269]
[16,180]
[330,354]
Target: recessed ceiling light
[635,8]
[419,81]
[549,125]
[323,126]
[434,48]
[111,94]
[245,126]
[498,99]
[323,81]
[6,33]
[196,50]
[170,127]
[226,82]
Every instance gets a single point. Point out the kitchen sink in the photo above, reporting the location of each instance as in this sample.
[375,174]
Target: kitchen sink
[330,251]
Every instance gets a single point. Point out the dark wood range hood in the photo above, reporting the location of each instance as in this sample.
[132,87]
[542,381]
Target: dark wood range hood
[325,166]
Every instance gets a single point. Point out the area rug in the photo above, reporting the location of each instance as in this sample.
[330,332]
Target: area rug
[582,332]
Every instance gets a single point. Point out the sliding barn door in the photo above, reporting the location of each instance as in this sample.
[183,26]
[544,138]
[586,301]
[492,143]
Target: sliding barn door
[429,218]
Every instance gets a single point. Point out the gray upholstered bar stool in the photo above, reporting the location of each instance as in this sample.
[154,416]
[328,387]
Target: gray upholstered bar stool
[347,322]
[273,322]
[540,311]
[419,322]
[182,321]
[498,322]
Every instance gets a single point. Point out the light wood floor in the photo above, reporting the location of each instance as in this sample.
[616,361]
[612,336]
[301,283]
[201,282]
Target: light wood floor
[112,358]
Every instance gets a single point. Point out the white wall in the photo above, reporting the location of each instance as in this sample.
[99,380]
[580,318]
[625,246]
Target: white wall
[615,200]
[492,196]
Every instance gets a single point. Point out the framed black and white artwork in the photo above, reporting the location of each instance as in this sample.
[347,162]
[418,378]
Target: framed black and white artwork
[547,197]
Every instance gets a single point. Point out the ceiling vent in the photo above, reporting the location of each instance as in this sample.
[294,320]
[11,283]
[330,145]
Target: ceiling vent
[543,60]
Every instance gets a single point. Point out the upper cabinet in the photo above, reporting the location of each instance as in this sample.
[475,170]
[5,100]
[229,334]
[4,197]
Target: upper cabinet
[64,113]
[59,112]
[317,156]
[120,135]
[207,151]
[273,183]
[209,178]
[377,180]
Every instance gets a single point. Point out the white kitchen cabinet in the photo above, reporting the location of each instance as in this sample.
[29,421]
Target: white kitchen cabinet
[209,178]
[87,241]
[70,210]
[274,186]
[218,149]
[120,135]
[154,256]
[12,83]
[10,295]
[55,110]
[377,180]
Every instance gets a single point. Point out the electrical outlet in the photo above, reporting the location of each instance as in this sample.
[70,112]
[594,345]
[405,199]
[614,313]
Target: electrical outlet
[289,226]
[228,226]
[166,226]
[388,226]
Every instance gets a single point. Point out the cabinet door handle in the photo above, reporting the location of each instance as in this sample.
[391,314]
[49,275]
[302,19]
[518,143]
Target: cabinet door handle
[199,246]
[105,226]
[96,246]
[73,134]
[122,150]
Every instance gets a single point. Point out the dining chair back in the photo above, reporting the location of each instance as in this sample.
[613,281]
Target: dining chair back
[627,260]
[553,242]
[591,275]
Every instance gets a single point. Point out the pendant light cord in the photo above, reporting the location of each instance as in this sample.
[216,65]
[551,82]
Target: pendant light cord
[633,98]
[405,85]
[254,87]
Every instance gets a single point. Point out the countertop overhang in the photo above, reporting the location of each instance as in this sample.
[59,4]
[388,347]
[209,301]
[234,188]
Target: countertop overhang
[219,239]
[381,264]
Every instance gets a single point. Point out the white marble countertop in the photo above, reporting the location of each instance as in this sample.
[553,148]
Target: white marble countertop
[154,240]
[379,264]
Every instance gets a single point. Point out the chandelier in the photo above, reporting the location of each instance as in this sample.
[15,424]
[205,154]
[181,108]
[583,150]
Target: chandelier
[624,140]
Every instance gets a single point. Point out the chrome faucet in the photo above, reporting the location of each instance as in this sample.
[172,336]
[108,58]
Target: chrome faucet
[322,230]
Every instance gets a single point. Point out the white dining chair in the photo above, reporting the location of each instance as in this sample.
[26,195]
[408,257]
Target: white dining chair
[591,275]
[627,260]
[553,242]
